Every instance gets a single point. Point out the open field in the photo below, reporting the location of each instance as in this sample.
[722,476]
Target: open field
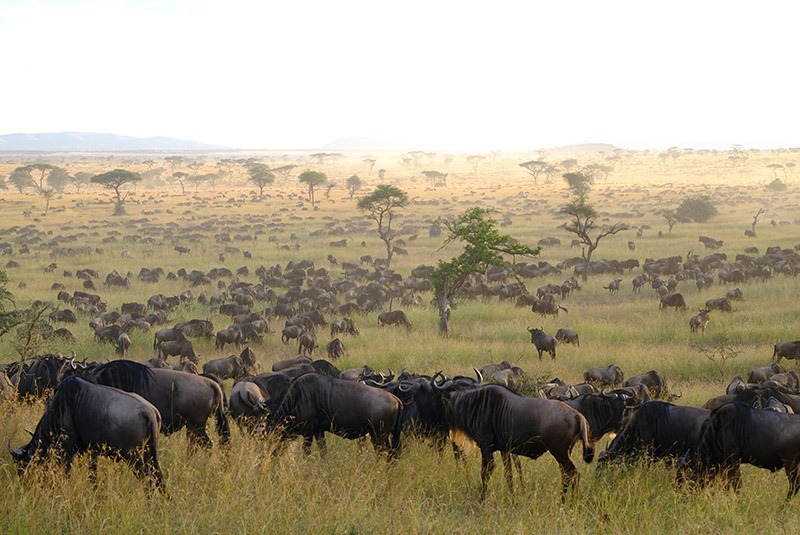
[353,490]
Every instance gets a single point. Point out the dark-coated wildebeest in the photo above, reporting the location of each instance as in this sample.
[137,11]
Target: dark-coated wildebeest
[65,315]
[167,335]
[498,419]
[546,308]
[315,404]
[395,317]
[306,343]
[654,381]
[180,348]
[734,295]
[244,405]
[344,326]
[86,417]
[233,367]
[722,304]
[123,344]
[335,349]
[699,321]
[183,399]
[543,342]
[603,412]
[675,301]
[613,286]
[41,375]
[790,350]
[229,335]
[567,336]
[109,333]
[737,433]
[603,376]
[762,373]
[658,429]
[291,332]
[289,363]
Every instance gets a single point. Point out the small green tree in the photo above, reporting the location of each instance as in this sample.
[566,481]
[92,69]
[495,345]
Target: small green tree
[115,180]
[380,206]
[58,179]
[671,216]
[353,185]
[8,316]
[21,178]
[697,209]
[261,176]
[312,179]
[181,177]
[484,246]
[43,170]
[79,179]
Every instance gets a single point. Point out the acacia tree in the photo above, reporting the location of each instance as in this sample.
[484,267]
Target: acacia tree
[380,206]
[535,168]
[8,318]
[353,184]
[21,178]
[583,218]
[79,179]
[114,180]
[484,246]
[312,179]
[261,176]
[180,177]
[671,216]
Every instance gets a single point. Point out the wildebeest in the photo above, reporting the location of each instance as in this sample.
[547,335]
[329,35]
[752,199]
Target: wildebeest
[659,429]
[395,317]
[567,336]
[167,335]
[723,304]
[291,332]
[335,349]
[183,399]
[699,321]
[734,295]
[546,308]
[86,417]
[603,412]
[123,344]
[737,433]
[543,342]
[65,315]
[613,286]
[344,326]
[182,348]
[229,335]
[306,343]
[790,350]
[315,404]
[603,376]
[761,374]
[233,367]
[654,381]
[672,300]
[497,419]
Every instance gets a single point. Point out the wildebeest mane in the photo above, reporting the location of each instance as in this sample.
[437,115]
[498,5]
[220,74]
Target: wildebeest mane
[68,394]
[716,432]
[123,374]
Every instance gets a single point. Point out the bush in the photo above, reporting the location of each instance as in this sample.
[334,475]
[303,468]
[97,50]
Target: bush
[697,209]
[777,185]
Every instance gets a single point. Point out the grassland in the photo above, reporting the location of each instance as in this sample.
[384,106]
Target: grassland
[353,491]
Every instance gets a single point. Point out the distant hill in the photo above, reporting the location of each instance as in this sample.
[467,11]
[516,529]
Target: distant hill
[581,149]
[91,142]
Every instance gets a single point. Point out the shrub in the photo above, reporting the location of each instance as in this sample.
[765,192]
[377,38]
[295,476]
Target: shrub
[697,209]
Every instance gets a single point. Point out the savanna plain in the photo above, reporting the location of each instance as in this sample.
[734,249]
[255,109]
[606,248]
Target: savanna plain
[243,488]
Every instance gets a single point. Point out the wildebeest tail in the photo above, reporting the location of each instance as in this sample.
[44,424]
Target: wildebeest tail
[223,426]
[395,445]
[588,445]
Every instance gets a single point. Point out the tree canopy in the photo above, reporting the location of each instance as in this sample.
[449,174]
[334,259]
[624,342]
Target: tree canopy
[312,179]
[261,176]
[698,209]
[380,206]
[114,180]
[353,184]
[484,246]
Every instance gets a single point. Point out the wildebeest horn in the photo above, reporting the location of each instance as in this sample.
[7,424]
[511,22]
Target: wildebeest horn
[479,375]
[444,385]
[530,330]
[405,387]
[29,432]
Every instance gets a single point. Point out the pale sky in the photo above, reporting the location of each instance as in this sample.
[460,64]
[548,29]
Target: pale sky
[432,74]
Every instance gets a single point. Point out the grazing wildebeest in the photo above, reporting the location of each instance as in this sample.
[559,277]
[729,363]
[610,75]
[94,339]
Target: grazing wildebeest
[603,376]
[123,344]
[603,412]
[567,336]
[86,417]
[167,335]
[182,348]
[183,399]
[109,333]
[245,398]
[497,419]
[291,332]
[335,349]
[229,335]
[723,304]
[395,317]
[672,300]
[546,308]
[659,429]
[654,381]
[790,350]
[761,374]
[65,315]
[734,295]
[737,433]
[306,343]
[699,321]
[233,367]
[543,342]
[315,404]
[289,363]
[613,286]
[344,326]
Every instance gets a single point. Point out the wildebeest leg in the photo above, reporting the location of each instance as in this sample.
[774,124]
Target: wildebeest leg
[93,469]
[487,466]
[733,476]
[508,469]
[146,467]
[518,464]
[197,437]
[307,441]
[569,474]
[323,447]
[793,473]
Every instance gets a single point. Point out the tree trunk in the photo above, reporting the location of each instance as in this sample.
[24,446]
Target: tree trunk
[444,315]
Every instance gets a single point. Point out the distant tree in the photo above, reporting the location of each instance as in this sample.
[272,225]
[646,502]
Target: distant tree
[175,162]
[436,178]
[568,164]
[583,219]
[80,179]
[149,163]
[195,165]
[58,179]
[484,246]
[353,185]
[261,176]
[8,316]
[535,168]
[549,172]
[775,167]
[3,184]
[777,185]
[44,170]
[285,171]
[380,206]
[115,180]
[697,209]
[369,162]
[206,178]
[671,216]
[181,177]
[474,160]
[21,178]
[328,187]
[312,179]
[755,221]
[47,195]
[381,173]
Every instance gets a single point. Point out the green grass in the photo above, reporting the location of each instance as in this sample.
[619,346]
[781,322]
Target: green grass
[353,490]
